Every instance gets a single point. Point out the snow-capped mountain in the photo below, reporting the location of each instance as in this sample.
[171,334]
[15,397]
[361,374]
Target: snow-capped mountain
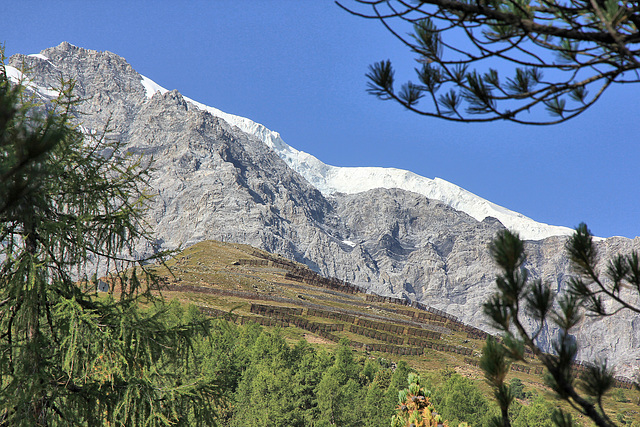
[351,180]
[220,176]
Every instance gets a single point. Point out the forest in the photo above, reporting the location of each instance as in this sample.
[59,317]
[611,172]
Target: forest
[267,381]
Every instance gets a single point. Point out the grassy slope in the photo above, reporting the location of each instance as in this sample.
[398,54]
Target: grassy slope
[205,273]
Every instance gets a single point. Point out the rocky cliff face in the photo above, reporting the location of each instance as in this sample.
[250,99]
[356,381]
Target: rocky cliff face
[213,181]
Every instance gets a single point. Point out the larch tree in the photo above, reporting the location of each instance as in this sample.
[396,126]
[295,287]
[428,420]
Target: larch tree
[68,199]
[487,60]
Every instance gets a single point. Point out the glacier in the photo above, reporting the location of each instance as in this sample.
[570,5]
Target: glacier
[350,180]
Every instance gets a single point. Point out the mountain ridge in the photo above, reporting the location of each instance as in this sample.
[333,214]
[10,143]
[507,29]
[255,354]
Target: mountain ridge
[350,180]
[212,180]
[333,179]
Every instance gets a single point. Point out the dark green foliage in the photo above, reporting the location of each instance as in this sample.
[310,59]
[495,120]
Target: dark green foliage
[623,272]
[577,45]
[268,394]
[67,357]
[495,365]
[376,412]
[597,381]
[398,382]
[340,392]
[369,371]
[283,385]
[538,413]
[381,76]
[516,298]
[459,400]
[517,389]
[299,386]
[312,364]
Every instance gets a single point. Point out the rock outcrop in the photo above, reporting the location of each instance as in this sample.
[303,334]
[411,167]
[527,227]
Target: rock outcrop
[213,181]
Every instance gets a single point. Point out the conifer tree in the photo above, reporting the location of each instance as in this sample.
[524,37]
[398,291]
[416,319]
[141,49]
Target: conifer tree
[71,200]
[588,292]
[339,392]
[488,60]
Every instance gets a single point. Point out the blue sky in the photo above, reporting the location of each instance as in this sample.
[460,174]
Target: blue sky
[297,66]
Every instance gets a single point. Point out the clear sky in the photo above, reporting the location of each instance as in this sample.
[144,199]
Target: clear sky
[297,66]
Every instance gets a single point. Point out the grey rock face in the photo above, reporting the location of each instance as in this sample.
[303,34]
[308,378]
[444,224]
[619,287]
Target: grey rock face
[212,181]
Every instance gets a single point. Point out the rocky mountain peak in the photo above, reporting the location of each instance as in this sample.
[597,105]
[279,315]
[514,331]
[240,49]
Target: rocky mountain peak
[218,176]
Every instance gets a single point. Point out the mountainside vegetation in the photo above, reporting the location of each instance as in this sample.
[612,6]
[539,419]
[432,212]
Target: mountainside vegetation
[251,287]
[249,338]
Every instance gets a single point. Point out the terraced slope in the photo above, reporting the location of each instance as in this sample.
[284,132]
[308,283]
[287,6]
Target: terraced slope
[215,180]
[246,284]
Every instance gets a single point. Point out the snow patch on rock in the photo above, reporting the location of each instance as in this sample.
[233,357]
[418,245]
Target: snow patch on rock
[151,87]
[18,77]
[350,180]
[39,56]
